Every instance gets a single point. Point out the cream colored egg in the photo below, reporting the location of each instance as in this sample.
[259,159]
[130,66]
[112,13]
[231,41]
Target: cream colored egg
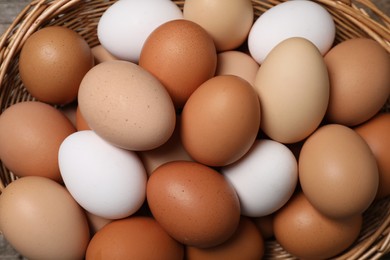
[293,87]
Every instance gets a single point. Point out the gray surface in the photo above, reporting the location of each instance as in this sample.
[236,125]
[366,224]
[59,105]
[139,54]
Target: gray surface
[8,11]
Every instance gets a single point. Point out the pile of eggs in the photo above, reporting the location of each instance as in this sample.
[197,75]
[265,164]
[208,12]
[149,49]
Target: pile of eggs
[196,134]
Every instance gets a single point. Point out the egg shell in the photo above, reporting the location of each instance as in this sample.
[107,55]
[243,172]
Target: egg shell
[228,22]
[52,63]
[126,105]
[376,134]
[124,26]
[359,81]
[41,220]
[246,243]
[193,203]
[80,122]
[31,133]
[307,234]
[293,87]
[338,172]
[182,55]
[265,225]
[105,180]
[301,18]
[134,238]
[172,150]
[264,179]
[220,120]
[100,54]
[237,63]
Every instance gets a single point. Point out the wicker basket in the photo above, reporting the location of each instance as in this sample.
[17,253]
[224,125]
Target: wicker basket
[356,18]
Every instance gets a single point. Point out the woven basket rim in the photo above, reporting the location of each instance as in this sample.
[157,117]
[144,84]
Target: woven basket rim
[353,18]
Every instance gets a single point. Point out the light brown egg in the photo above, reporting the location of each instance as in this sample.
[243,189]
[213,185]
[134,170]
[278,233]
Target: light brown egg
[53,62]
[376,132]
[359,80]
[246,243]
[41,220]
[228,22]
[307,234]
[134,238]
[220,120]
[172,150]
[338,172]
[293,87]
[182,55]
[126,105]
[100,54]
[237,63]
[194,203]
[31,133]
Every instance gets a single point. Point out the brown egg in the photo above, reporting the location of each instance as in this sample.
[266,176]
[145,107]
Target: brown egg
[30,137]
[133,238]
[359,80]
[41,220]
[246,243]
[376,132]
[307,234]
[193,203]
[228,22]
[220,120]
[80,123]
[237,63]
[126,105]
[338,172]
[265,225]
[172,150]
[182,55]
[53,62]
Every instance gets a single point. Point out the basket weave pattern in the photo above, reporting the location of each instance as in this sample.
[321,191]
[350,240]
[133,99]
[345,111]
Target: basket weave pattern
[353,18]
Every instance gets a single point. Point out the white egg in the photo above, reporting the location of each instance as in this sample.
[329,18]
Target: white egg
[105,180]
[124,26]
[294,18]
[264,179]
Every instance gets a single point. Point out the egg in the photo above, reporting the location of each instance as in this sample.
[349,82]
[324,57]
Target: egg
[300,18]
[52,63]
[237,63]
[41,220]
[264,179]
[338,172]
[265,225]
[307,234]
[31,133]
[220,120]
[100,54]
[124,26]
[134,238]
[376,134]
[105,180]
[80,122]
[293,87]
[193,203]
[246,243]
[182,55]
[172,150]
[359,81]
[228,22]
[126,105]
